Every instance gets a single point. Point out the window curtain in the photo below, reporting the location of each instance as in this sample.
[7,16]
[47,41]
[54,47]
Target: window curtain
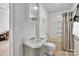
[67,42]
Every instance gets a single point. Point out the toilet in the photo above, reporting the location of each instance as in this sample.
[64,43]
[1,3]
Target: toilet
[50,48]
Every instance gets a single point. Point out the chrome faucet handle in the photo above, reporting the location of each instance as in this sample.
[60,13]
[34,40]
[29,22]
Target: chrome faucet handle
[32,38]
[41,38]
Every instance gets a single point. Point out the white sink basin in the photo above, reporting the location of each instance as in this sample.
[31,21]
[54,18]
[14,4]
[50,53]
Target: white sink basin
[34,43]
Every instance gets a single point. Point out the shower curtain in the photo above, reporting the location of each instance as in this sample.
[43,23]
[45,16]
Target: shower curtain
[67,42]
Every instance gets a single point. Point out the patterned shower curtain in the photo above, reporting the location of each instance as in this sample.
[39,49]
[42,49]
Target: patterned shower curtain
[67,42]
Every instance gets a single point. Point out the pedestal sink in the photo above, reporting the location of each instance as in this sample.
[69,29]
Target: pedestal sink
[34,43]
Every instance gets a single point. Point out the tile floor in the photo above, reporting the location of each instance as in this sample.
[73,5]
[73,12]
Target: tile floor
[4,48]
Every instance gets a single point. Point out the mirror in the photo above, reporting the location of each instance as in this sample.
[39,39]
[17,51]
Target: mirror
[33,11]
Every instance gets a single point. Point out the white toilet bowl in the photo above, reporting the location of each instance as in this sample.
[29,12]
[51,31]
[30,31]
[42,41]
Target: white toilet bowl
[50,48]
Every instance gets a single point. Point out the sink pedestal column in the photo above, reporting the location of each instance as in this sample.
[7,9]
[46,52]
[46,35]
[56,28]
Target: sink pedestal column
[28,51]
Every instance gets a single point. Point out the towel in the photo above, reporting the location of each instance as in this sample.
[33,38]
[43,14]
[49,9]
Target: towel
[76,28]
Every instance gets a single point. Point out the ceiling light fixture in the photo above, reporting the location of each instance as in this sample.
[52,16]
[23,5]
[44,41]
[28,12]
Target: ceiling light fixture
[35,8]
[59,16]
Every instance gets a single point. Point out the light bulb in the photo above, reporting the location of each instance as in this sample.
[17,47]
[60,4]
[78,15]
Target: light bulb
[35,7]
[59,16]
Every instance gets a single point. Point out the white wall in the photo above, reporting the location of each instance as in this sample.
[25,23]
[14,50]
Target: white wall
[21,27]
[54,24]
[43,23]
[4,19]
[4,23]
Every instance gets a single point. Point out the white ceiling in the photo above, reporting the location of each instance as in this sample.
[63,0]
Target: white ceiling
[50,7]
[58,7]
